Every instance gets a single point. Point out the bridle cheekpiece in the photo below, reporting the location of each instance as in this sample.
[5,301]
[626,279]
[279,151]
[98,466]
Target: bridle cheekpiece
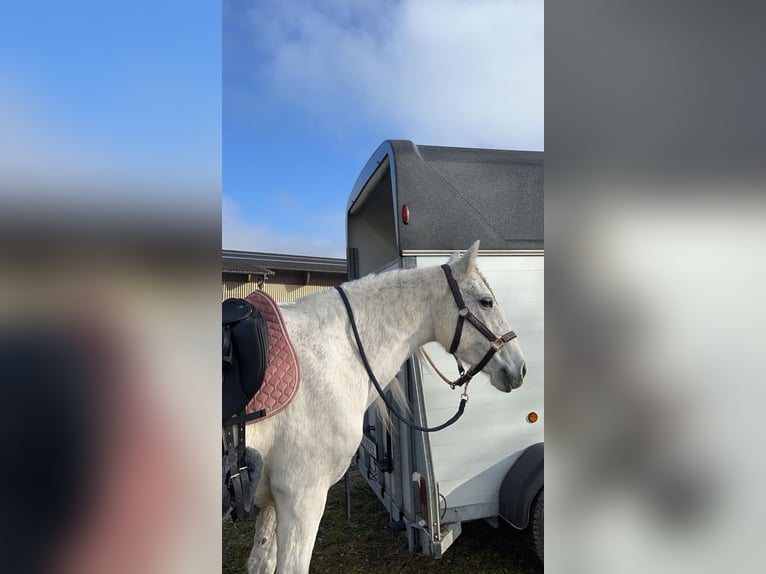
[496,343]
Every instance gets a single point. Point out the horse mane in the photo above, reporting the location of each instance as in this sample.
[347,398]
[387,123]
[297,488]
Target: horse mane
[394,279]
[400,401]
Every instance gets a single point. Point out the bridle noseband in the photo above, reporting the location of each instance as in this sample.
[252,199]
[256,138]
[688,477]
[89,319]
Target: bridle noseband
[496,343]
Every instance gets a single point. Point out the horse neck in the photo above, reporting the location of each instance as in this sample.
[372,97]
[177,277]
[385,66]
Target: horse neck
[394,314]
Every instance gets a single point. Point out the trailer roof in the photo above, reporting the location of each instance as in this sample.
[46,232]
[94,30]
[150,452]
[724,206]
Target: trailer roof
[455,196]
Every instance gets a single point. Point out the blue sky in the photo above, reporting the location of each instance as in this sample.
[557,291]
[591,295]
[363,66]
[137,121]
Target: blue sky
[117,92]
[299,93]
[311,88]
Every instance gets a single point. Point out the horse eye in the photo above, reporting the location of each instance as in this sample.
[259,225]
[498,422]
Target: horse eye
[486,303]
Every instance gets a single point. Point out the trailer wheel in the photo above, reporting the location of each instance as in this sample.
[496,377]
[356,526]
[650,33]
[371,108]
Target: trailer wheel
[535,531]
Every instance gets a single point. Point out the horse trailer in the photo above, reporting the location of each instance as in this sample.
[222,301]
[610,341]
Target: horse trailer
[413,206]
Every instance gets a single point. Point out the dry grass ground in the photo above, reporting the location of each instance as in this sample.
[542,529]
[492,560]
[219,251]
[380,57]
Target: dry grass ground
[365,544]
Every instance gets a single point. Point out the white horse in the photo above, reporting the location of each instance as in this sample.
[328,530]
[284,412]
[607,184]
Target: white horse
[308,447]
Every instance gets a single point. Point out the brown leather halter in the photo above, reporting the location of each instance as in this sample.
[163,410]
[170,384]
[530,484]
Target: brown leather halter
[496,343]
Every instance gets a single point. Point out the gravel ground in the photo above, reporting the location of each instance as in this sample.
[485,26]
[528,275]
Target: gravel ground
[365,544]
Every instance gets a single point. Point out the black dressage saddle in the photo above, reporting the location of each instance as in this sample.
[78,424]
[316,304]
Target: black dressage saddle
[245,354]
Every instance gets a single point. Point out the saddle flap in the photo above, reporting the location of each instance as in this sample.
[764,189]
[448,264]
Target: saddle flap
[233,310]
[245,358]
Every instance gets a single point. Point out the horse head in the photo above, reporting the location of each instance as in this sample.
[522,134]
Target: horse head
[506,367]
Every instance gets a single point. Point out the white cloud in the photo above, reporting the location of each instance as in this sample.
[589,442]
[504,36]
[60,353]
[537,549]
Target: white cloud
[441,72]
[444,72]
[237,233]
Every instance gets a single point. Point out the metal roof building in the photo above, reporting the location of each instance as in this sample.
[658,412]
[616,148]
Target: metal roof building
[284,277]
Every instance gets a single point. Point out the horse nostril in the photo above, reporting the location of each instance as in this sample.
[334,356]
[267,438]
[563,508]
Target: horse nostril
[523,370]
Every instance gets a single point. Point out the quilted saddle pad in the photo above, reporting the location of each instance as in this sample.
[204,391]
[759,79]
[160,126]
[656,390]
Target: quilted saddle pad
[282,378]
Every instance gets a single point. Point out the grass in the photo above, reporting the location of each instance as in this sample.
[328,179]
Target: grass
[365,544]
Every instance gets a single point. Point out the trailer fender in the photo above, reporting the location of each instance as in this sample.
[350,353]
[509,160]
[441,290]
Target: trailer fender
[520,486]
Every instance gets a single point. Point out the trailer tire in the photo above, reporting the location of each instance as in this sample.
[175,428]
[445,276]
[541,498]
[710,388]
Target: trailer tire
[535,531]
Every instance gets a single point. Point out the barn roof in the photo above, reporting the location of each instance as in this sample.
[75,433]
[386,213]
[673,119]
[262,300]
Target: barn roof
[257,263]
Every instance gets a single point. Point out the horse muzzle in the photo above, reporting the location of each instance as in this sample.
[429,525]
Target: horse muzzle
[510,378]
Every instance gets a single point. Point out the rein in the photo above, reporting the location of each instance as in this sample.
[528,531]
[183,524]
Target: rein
[391,408]
[496,343]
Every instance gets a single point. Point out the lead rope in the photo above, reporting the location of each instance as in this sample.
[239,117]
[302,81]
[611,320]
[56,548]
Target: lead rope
[374,380]
[442,376]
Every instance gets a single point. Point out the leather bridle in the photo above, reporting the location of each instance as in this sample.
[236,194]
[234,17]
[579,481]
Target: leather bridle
[496,343]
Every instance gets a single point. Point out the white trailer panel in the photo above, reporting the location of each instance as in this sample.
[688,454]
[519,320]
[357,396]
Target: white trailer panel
[471,458]
[412,206]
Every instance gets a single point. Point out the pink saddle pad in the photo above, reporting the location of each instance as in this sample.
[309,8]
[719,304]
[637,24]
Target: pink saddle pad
[282,376]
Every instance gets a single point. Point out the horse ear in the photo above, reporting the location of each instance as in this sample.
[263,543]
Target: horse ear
[465,263]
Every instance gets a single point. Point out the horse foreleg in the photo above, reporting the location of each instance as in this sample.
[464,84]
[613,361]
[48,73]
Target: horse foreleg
[299,513]
[263,556]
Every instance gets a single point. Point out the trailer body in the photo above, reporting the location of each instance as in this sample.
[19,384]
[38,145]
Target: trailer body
[413,206]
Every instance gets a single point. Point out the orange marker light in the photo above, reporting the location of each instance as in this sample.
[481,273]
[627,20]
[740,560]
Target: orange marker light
[532,417]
